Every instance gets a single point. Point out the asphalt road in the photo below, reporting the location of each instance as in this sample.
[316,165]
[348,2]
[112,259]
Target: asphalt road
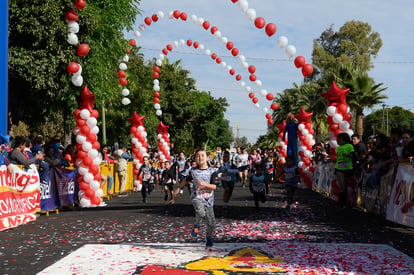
[32,247]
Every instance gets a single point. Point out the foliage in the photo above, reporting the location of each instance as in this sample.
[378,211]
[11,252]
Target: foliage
[21,129]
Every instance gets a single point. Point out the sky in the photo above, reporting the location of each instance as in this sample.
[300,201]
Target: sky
[300,22]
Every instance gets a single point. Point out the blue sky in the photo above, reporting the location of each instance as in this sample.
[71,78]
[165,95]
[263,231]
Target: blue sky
[301,22]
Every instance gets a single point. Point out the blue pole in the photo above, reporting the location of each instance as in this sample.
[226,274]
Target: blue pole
[4,51]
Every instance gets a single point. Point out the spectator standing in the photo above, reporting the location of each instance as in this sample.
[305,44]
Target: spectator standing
[121,163]
[291,130]
[16,155]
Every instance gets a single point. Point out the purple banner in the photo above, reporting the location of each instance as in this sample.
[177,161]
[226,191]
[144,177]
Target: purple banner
[65,186]
[47,191]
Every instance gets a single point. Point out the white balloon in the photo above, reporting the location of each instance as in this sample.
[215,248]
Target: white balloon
[77,80]
[175,44]
[290,51]
[242,58]
[125,58]
[331,110]
[337,118]
[82,170]
[156,88]
[300,164]
[312,142]
[140,128]
[158,112]
[81,194]
[333,143]
[139,145]
[86,146]
[144,134]
[257,105]
[91,122]
[97,161]
[242,83]
[248,89]
[142,27]
[344,125]
[217,34]
[76,131]
[305,132]
[93,153]
[99,193]
[265,110]
[126,101]
[156,82]
[80,139]
[193,18]
[182,42]
[251,14]
[258,83]
[223,64]
[245,65]
[134,141]
[95,130]
[201,47]
[350,132]
[123,66]
[161,56]
[200,21]
[73,39]
[228,67]
[94,185]
[73,27]
[263,92]
[301,126]
[243,5]
[282,41]
[84,202]
[158,62]
[159,136]
[137,34]
[125,92]
[208,52]
[85,114]
[88,177]
[224,40]
[309,137]
[79,72]
[171,14]
[157,106]
[160,15]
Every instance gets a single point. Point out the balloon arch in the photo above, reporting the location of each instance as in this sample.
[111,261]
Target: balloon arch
[86,130]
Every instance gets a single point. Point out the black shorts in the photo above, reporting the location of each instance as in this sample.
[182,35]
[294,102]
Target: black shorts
[243,168]
[229,184]
[347,173]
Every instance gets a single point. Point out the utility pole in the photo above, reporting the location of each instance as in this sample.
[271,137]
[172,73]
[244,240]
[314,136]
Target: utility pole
[103,123]
[383,118]
[238,135]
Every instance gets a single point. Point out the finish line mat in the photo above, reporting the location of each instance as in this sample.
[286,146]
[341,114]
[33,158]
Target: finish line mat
[234,258]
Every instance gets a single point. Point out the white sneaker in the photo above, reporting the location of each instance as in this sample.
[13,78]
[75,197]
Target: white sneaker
[181,191]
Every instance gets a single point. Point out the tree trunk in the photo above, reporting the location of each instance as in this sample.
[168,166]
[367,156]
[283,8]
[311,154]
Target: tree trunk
[359,122]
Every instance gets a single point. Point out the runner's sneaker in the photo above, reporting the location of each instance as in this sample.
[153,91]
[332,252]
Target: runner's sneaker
[209,242]
[194,231]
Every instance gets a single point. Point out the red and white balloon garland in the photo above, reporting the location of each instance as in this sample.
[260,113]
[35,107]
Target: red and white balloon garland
[163,142]
[87,147]
[282,142]
[270,29]
[139,146]
[122,75]
[83,49]
[339,117]
[229,45]
[306,141]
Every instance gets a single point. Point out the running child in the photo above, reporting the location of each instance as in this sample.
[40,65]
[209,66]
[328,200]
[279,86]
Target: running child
[228,177]
[202,195]
[291,173]
[258,185]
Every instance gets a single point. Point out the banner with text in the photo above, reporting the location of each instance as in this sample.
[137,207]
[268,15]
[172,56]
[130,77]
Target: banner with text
[19,196]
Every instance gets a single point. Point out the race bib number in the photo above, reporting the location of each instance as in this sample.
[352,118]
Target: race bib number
[226,177]
[147,176]
[343,165]
[202,194]
[258,188]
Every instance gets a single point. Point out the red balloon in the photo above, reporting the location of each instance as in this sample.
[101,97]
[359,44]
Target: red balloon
[183,16]
[156,94]
[94,169]
[235,51]
[133,130]
[148,21]
[342,108]
[348,117]
[96,145]
[165,51]
[299,61]
[213,56]
[85,130]
[87,161]
[81,154]
[232,71]
[96,200]
[155,75]
[80,4]
[269,96]
[189,42]
[90,193]
[330,120]
[156,69]
[218,60]
[80,122]
[259,22]
[78,147]
[252,77]
[71,16]
[123,81]
[333,127]
[132,42]
[213,29]
[73,67]
[195,45]
[274,106]
[121,73]
[307,70]
[156,100]
[234,1]
[76,113]
[154,17]
[229,45]
[255,100]
[268,116]
[251,94]
[83,186]
[176,14]
[128,51]
[252,69]
[270,29]
[238,77]
[169,47]
[92,137]
[83,49]
[206,25]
